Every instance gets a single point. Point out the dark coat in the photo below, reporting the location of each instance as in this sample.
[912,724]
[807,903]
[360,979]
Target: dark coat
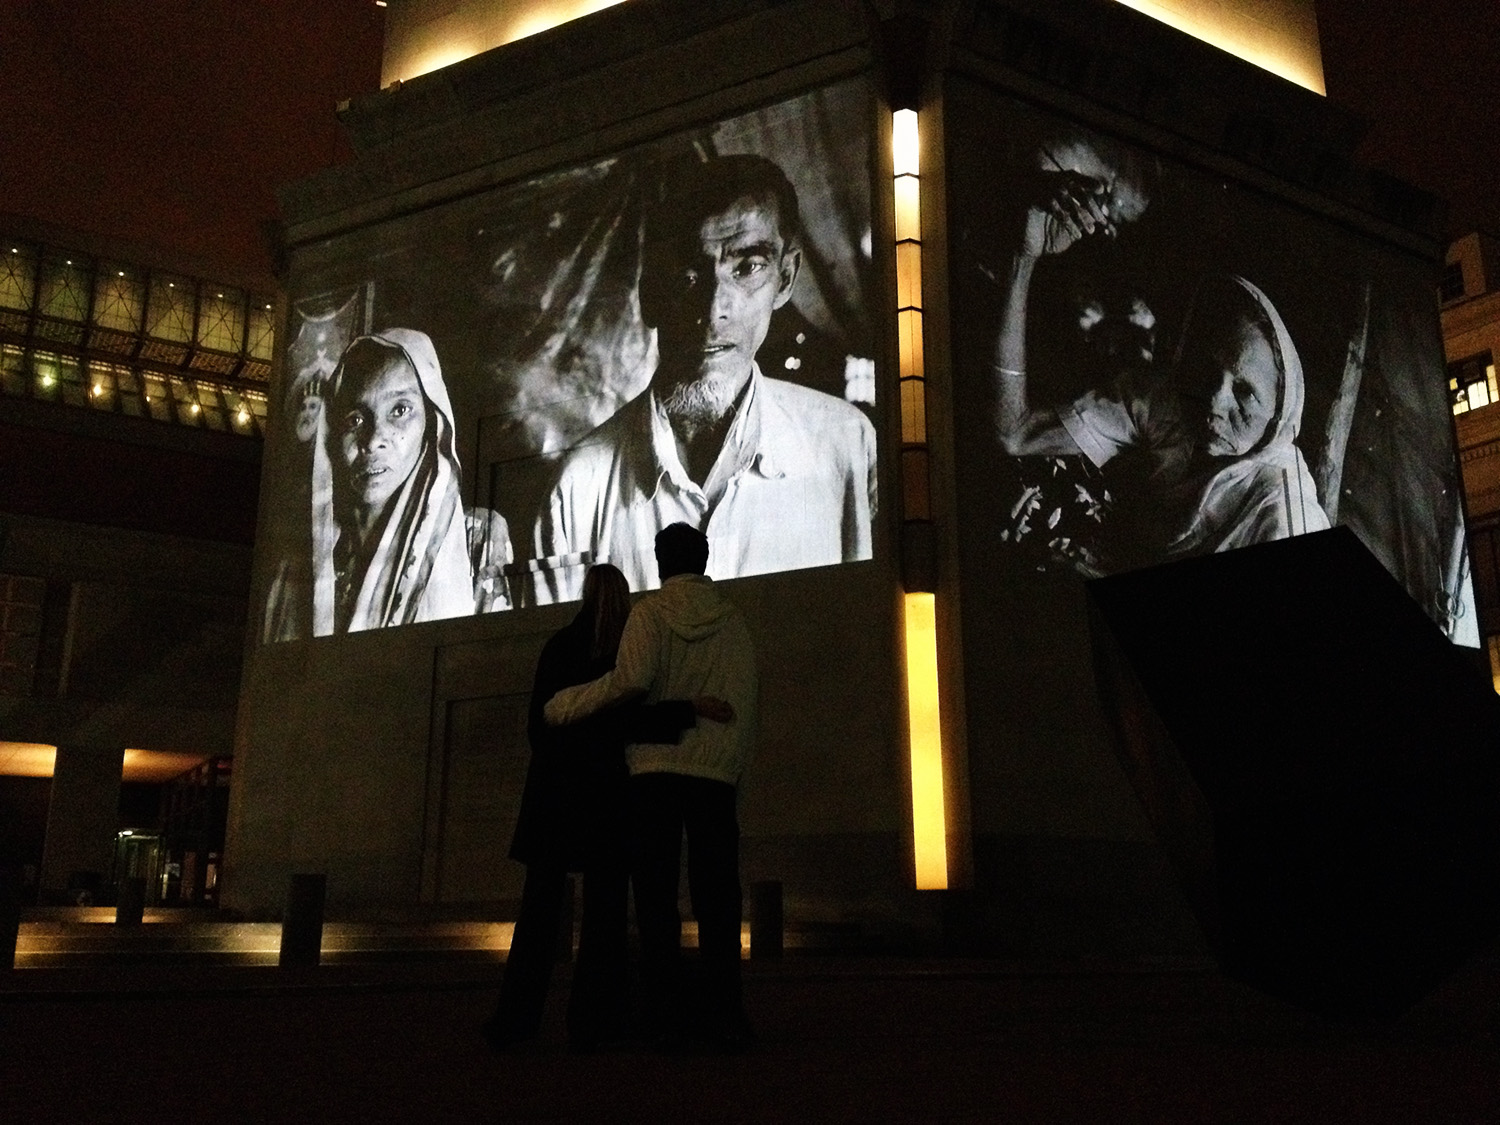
[574,811]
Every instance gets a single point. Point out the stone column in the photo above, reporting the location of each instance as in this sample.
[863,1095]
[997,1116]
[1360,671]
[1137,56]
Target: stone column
[83,814]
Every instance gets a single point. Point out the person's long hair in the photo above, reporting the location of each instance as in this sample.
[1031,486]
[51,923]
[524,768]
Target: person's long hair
[606,605]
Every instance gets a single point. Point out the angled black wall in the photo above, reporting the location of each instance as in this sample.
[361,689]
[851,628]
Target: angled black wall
[1323,766]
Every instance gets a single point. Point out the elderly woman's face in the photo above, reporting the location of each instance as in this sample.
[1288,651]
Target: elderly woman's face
[1231,389]
[380,419]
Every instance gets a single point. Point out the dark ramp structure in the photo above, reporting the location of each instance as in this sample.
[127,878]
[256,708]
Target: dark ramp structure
[1322,765]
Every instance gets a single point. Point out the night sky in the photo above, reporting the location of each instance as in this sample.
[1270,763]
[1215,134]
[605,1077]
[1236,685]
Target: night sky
[167,124]
[1424,74]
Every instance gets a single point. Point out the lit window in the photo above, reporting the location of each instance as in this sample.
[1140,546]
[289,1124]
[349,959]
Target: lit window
[221,320]
[65,290]
[119,299]
[260,339]
[119,338]
[157,403]
[17,277]
[44,374]
[12,370]
[170,311]
[1471,383]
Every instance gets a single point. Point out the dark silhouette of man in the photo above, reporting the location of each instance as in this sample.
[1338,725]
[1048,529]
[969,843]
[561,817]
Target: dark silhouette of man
[683,642]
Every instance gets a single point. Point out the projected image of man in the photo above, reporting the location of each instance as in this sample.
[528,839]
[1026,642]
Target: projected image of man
[778,476]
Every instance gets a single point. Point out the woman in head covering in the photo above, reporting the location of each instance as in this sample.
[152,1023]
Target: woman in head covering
[1204,458]
[1241,389]
[389,542]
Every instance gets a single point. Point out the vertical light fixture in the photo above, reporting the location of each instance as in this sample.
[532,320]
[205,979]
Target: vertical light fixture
[929,822]
[906,152]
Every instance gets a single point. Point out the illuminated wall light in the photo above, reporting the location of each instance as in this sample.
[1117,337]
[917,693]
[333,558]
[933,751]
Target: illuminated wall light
[1280,36]
[418,41]
[928,816]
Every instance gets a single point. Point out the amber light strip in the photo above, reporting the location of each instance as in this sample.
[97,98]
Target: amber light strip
[928,815]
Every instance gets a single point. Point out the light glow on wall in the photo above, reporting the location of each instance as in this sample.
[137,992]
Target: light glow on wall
[423,35]
[928,816]
[1276,35]
[27,759]
[33,759]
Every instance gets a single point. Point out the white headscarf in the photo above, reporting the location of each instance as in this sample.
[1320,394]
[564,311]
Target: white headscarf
[1269,492]
[418,569]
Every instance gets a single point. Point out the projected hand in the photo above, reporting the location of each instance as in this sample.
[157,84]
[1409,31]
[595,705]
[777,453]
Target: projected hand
[712,707]
[1077,205]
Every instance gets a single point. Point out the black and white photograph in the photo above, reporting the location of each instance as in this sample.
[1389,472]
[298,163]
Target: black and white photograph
[1172,363]
[481,399]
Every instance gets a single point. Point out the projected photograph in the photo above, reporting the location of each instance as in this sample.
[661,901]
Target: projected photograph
[480,400]
[1170,364]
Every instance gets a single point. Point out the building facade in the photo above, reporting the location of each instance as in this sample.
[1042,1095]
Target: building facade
[496,230]
[1471,339]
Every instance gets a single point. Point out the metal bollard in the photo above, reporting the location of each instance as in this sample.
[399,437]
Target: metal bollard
[130,905]
[302,922]
[766,921]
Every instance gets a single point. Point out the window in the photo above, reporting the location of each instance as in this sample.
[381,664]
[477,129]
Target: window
[20,631]
[12,370]
[221,319]
[170,313]
[1451,287]
[1471,383]
[118,300]
[17,276]
[117,338]
[65,288]
[262,329]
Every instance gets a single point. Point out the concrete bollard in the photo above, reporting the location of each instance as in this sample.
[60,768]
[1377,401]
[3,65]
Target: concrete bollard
[565,922]
[10,917]
[302,922]
[130,905]
[767,941]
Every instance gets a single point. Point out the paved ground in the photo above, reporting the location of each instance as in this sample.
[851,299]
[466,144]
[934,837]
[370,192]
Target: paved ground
[844,1040]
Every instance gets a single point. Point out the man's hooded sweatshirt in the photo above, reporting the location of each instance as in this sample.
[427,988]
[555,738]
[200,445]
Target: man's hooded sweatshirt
[683,641]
